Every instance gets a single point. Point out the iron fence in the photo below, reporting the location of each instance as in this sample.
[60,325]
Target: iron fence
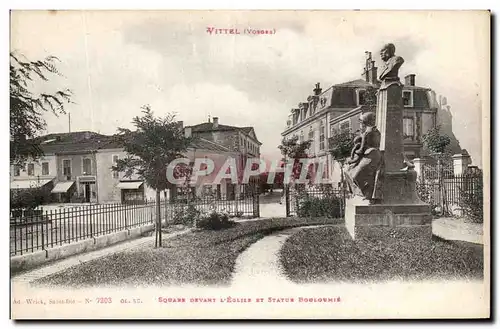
[185,207]
[32,230]
[42,229]
[321,200]
[453,194]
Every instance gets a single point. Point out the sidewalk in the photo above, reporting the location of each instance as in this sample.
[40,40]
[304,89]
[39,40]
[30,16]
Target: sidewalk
[458,229]
[62,265]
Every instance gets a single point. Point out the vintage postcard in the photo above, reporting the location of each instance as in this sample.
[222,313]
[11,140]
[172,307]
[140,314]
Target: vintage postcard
[249,164]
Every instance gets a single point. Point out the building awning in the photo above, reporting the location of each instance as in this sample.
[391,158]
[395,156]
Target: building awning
[129,185]
[62,187]
[30,183]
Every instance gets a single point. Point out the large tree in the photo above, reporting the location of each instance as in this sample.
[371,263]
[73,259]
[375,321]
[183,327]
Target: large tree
[151,147]
[27,106]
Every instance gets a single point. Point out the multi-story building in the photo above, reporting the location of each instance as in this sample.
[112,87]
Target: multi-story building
[241,140]
[76,167]
[339,107]
[238,139]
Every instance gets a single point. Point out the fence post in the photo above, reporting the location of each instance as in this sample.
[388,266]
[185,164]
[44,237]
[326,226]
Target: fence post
[287,200]
[43,237]
[126,220]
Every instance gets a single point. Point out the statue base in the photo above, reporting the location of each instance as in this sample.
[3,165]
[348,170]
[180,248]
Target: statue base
[400,214]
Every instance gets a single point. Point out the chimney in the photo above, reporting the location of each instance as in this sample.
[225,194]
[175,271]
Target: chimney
[216,122]
[370,71]
[410,80]
[187,132]
[317,90]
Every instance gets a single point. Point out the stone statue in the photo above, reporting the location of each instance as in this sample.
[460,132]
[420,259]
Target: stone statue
[390,70]
[365,163]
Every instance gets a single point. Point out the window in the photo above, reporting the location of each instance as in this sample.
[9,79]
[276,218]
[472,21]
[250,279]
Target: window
[301,138]
[408,98]
[361,93]
[345,125]
[322,136]
[31,169]
[17,170]
[408,128]
[115,160]
[87,166]
[45,168]
[67,168]
[311,138]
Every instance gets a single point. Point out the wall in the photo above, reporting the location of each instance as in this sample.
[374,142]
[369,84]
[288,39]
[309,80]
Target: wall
[23,174]
[77,171]
[106,183]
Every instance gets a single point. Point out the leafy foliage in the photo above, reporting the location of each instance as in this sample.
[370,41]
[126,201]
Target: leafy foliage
[472,198]
[293,150]
[29,198]
[186,215]
[341,144]
[27,107]
[330,207]
[370,101]
[215,221]
[154,144]
[434,141]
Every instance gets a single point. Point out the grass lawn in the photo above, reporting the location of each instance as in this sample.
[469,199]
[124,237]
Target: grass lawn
[195,258]
[329,254]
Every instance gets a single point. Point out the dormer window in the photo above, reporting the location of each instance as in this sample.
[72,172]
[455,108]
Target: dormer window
[408,98]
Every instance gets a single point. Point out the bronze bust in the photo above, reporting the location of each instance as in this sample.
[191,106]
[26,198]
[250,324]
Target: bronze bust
[390,70]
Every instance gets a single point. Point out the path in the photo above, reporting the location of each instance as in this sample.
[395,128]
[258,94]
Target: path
[64,264]
[260,263]
[458,229]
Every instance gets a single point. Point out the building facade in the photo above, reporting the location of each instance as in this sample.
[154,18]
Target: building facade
[77,167]
[338,108]
[241,141]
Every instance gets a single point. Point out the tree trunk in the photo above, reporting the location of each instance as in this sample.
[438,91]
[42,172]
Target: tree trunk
[342,186]
[158,218]
[166,203]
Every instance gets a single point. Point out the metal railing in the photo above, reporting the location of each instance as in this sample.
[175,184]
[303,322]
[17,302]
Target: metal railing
[42,229]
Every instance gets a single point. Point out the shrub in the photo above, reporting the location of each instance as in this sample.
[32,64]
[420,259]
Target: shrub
[186,215]
[472,202]
[28,198]
[317,207]
[214,221]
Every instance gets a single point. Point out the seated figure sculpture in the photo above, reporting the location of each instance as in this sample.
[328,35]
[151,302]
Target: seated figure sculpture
[365,164]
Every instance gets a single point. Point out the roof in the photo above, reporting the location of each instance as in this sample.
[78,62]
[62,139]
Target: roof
[87,142]
[355,83]
[360,83]
[246,130]
[80,142]
[209,126]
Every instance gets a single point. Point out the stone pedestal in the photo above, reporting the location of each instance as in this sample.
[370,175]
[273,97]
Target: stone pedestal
[399,213]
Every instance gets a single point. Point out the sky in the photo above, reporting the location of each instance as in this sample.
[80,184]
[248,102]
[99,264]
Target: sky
[117,61]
